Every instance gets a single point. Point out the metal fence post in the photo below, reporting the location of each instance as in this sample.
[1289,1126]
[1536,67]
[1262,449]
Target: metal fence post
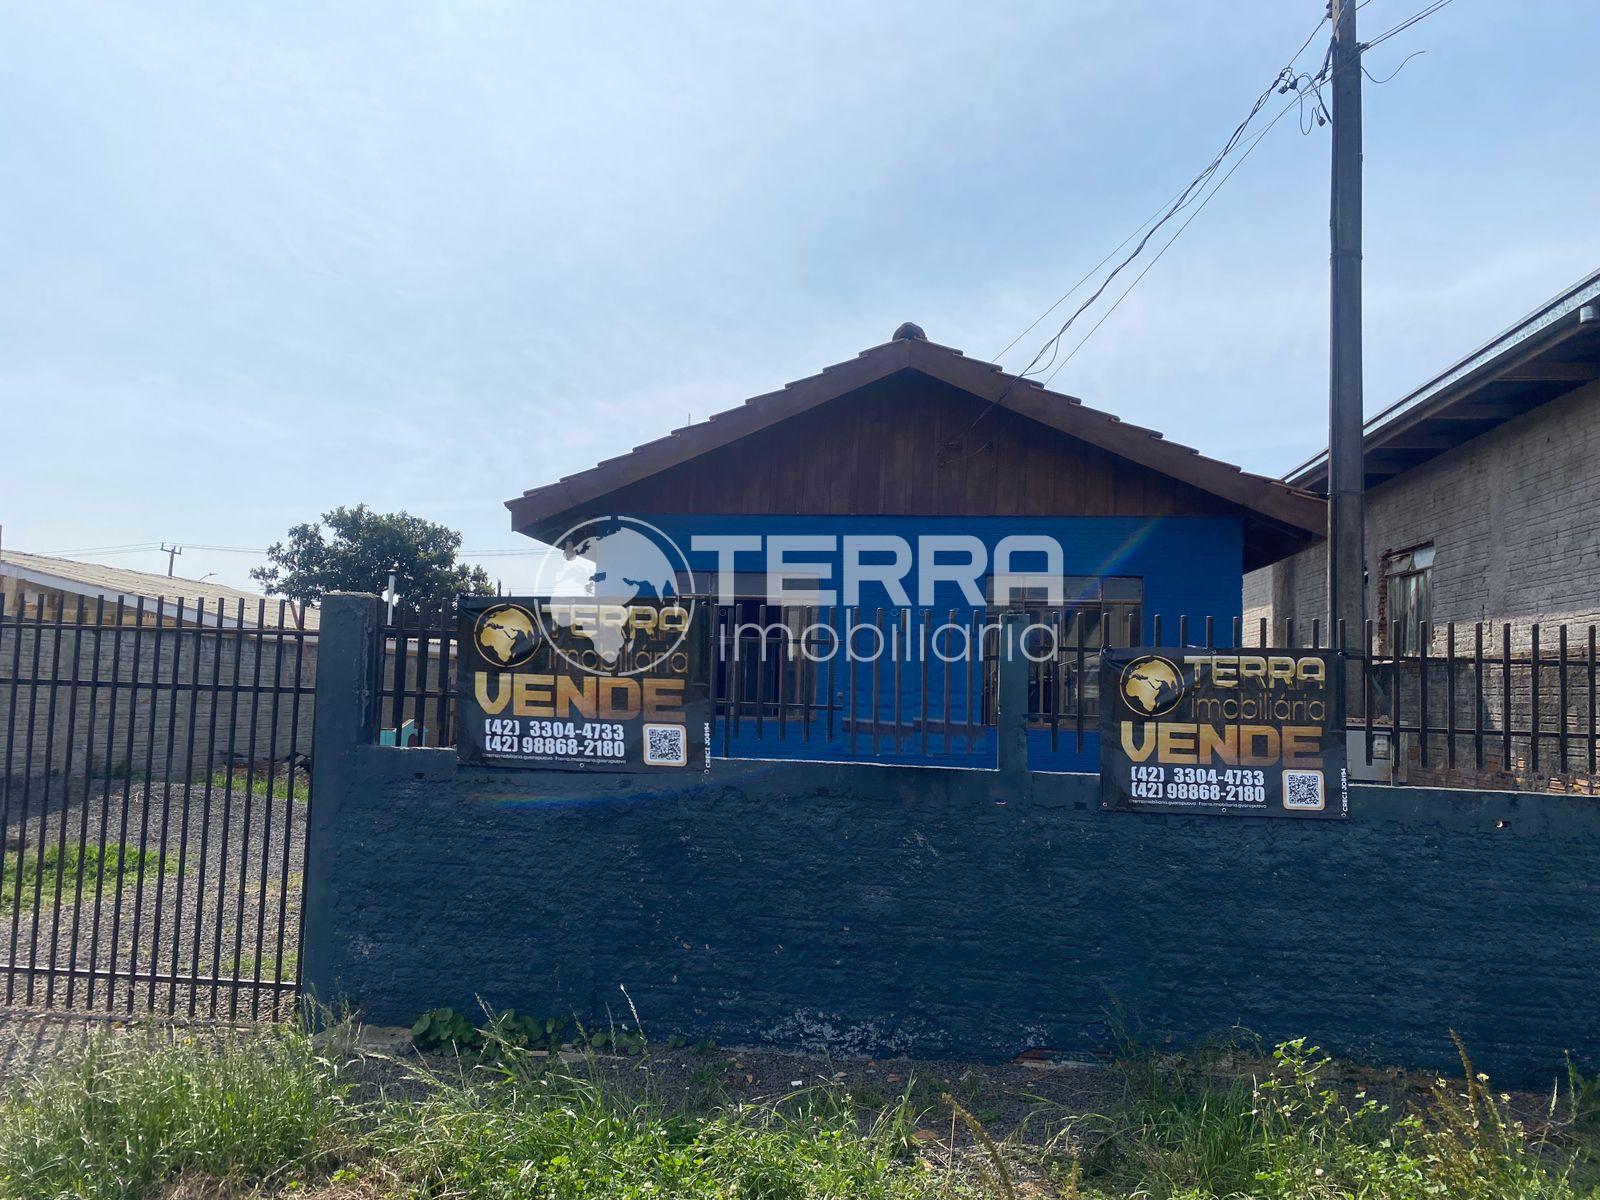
[349,653]
[1011,719]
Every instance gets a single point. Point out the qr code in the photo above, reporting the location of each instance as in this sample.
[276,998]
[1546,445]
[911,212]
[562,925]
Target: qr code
[1303,790]
[666,745]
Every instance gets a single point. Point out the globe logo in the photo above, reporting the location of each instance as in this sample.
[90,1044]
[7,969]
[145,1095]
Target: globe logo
[1151,686]
[615,560]
[506,635]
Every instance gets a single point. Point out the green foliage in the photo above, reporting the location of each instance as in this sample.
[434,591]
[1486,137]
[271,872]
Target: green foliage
[356,553]
[1185,1133]
[553,1136]
[41,874]
[281,782]
[444,1029]
[136,1110]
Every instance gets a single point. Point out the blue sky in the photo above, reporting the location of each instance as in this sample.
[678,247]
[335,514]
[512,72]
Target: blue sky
[260,260]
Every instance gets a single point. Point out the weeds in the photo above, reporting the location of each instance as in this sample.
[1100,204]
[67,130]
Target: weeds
[40,875]
[136,1110]
[273,1114]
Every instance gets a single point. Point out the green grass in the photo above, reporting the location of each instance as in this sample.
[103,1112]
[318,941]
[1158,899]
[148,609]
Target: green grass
[246,964]
[283,783]
[275,1114]
[137,1110]
[42,874]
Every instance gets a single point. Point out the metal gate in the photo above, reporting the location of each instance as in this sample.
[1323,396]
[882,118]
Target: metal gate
[156,784]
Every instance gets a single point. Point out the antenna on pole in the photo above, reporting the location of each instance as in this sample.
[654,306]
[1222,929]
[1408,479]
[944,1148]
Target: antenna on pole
[171,552]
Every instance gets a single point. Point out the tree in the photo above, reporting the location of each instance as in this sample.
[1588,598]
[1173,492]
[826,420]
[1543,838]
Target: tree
[359,550]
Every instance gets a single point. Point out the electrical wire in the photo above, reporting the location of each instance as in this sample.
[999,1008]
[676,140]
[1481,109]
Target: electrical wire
[1256,141]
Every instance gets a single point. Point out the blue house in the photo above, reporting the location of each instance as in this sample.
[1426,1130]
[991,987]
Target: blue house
[904,499]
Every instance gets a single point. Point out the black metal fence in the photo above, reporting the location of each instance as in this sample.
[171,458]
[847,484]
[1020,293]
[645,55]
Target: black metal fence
[155,792]
[1466,705]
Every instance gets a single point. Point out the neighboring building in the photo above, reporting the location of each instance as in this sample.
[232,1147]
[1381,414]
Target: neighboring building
[152,677]
[1483,506]
[1483,491]
[911,439]
[32,579]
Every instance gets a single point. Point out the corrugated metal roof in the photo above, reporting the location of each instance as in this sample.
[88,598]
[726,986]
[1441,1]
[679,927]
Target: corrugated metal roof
[97,579]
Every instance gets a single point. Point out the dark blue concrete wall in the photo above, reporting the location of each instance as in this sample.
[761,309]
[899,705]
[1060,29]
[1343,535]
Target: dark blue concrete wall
[901,909]
[883,909]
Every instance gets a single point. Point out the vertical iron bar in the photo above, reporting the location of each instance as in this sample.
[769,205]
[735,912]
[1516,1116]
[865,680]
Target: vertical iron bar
[223,844]
[1533,698]
[974,672]
[1366,683]
[1591,702]
[1561,695]
[144,805]
[288,810]
[833,653]
[877,674]
[166,810]
[66,797]
[88,786]
[760,696]
[397,702]
[214,698]
[1424,644]
[249,808]
[1450,694]
[922,679]
[44,802]
[272,778]
[894,662]
[1505,686]
[724,624]
[1056,680]
[188,800]
[447,627]
[1394,696]
[11,741]
[27,779]
[1477,696]
[848,616]
[1077,678]
[947,741]
[127,799]
[105,801]
[419,707]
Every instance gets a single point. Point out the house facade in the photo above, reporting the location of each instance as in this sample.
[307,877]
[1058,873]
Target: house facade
[913,482]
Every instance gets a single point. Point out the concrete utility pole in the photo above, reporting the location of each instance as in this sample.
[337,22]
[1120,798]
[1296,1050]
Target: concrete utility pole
[172,553]
[1346,477]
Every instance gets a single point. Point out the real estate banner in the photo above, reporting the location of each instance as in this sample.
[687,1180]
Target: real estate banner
[1233,732]
[579,684]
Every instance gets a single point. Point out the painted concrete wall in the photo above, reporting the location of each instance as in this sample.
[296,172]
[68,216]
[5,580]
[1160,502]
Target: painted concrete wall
[928,911]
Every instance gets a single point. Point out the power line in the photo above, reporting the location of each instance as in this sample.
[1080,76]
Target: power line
[1256,141]
[1405,25]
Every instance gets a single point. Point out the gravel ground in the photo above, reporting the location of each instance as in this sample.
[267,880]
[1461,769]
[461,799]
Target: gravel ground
[231,887]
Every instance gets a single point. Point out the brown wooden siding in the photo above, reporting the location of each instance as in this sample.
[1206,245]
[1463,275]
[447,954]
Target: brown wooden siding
[903,447]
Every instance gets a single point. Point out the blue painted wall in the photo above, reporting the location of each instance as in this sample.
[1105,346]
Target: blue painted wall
[1191,566]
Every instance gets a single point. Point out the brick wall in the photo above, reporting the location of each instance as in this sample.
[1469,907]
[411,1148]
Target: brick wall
[1514,517]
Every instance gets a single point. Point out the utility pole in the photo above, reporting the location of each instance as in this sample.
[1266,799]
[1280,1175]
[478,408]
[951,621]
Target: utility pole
[171,552]
[1346,474]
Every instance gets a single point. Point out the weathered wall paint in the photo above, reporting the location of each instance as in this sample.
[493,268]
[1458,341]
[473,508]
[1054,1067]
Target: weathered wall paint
[899,909]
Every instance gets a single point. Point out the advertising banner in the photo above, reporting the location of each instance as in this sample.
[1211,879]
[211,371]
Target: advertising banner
[1230,732]
[580,684]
